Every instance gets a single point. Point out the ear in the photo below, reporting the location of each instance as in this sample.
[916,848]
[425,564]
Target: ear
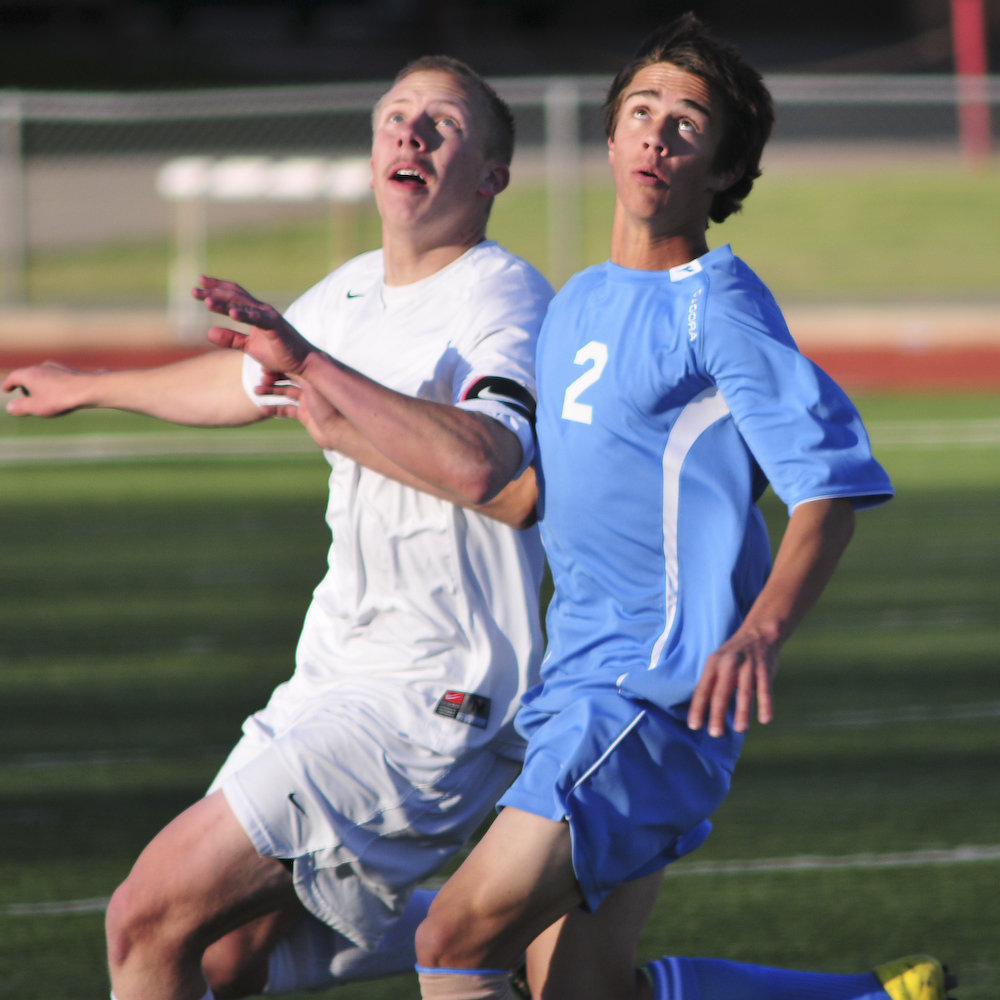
[724,181]
[496,179]
[611,151]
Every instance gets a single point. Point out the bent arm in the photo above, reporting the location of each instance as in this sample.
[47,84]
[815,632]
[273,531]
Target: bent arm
[515,504]
[205,390]
[465,456]
[814,540]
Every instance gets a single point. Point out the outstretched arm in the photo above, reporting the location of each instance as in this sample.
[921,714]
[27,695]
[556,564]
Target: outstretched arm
[205,390]
[813,542]
[463,456]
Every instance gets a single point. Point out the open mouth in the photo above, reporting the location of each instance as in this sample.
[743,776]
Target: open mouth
[408,175]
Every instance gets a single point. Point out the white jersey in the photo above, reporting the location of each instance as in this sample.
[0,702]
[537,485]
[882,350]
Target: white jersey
[430,609]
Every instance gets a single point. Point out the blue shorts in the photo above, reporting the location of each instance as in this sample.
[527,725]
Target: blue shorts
[632,781]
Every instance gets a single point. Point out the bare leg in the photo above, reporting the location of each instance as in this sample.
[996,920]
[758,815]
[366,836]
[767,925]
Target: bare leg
[517,892]
[516,882]
[198,879]
[594,954]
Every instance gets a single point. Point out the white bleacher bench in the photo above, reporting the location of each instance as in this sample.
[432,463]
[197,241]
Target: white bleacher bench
[190,182]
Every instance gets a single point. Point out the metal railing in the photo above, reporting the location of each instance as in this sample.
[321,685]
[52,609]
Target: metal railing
[81,168]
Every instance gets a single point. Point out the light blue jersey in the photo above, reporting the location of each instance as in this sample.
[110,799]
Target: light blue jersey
[667,401]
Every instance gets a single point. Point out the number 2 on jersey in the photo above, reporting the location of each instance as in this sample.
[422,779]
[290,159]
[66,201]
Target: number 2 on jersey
[596,354]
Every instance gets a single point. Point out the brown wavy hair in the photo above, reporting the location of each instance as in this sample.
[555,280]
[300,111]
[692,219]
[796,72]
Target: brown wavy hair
[748,108]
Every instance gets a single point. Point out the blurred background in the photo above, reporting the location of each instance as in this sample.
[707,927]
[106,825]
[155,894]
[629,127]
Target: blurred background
[154,578]
[145,141]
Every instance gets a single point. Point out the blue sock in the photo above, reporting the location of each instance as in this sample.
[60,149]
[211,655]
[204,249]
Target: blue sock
[716,979]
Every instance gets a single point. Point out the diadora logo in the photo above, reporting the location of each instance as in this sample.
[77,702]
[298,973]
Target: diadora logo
[683,271]
[693,315]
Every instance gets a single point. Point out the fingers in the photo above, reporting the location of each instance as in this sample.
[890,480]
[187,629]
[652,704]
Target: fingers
[19,407]
[218,289]
[222,336]
[277,387]
[288,411]
[724,676]
[765,706]
[699,701]
[230,299]
[713,693]
[745,687]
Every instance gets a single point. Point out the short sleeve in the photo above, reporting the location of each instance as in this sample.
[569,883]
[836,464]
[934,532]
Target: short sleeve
[496,373]
[802,429]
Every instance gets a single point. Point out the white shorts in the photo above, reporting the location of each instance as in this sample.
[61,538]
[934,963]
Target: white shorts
[363,813]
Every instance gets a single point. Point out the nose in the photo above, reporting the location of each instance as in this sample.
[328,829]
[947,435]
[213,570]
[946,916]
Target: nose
[414,133]
[655,138]
[408,137]
[657,143]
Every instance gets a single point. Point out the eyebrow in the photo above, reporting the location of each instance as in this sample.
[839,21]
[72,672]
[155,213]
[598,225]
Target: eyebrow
[652,93]
[447,103]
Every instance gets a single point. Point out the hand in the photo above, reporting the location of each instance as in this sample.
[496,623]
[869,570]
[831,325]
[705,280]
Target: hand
[272,341]
[324,422]
[745,664]
[47,390]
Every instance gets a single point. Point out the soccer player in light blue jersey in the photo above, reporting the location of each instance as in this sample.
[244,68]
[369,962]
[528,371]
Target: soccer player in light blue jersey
[670,394]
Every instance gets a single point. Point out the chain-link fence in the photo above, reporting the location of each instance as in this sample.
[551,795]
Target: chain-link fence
[113,201]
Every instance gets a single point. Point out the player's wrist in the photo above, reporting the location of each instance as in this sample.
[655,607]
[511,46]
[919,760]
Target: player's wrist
[312,363]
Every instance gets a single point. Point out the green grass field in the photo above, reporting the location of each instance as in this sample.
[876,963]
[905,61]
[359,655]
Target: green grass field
[149,603]
[913,230]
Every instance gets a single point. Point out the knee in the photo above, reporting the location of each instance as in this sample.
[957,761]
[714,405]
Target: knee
[453,937]
[435,940]
[138,928]
[128,925]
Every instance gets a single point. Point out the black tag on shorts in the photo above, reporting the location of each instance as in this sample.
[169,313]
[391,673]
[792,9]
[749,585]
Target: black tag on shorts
[472,709]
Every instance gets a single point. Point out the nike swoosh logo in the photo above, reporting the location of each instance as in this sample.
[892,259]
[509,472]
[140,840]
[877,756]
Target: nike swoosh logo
[355,295]
[490,394]
[291,798]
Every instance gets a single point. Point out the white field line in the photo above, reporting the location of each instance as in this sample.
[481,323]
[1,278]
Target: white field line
[851,719]
[100,447]
[819,862]
[17,450]
[935,433]
[165,444]
[801,863]
[864,717]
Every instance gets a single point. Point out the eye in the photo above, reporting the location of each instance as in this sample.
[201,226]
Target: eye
[395,118]
[449,123]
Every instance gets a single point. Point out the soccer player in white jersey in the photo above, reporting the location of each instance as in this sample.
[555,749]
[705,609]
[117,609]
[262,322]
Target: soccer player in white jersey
[670,393]
[413,367]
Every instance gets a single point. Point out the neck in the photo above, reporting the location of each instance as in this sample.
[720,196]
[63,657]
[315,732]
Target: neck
[407,260]
[643,248]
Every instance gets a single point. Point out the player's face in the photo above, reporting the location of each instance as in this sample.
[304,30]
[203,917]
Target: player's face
[666,134]
[430,172]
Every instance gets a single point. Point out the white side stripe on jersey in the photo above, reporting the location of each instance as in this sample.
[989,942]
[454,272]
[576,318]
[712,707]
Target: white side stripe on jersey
[697,416]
